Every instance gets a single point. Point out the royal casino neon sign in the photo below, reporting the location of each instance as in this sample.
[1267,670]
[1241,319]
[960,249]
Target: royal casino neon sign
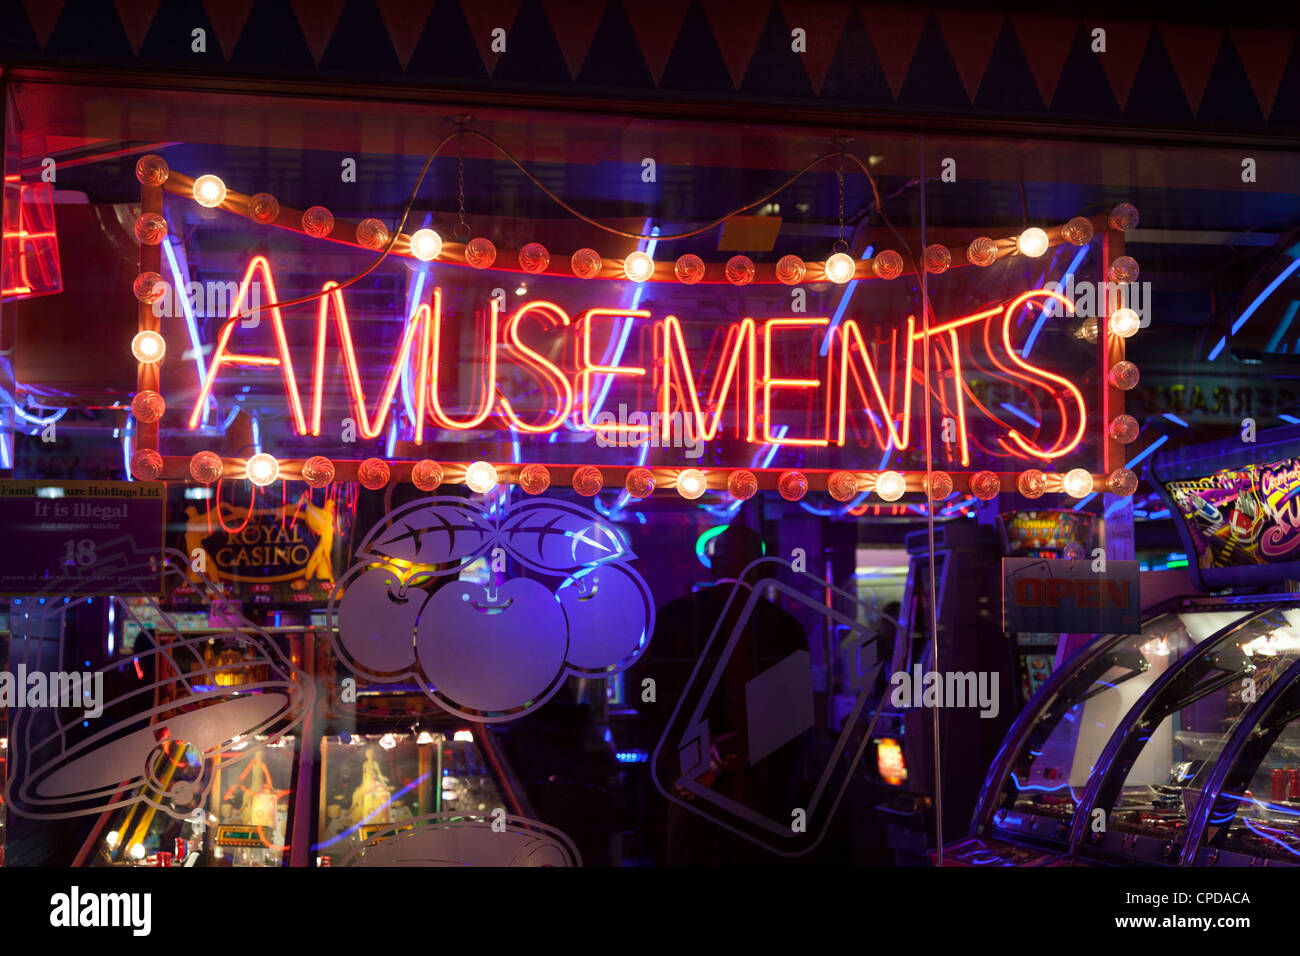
[745,386]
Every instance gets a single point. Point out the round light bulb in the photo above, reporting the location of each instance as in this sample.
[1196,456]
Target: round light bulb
[887,265]
[113,838]
[585,263]
[740,270]
[1077,483]
[938,259]
[689,269]
[1078,231]
[640,483]
[1123,375]
[1124,429]
[792,485]
[840,268]
[149,287]
[1122,482]
[1124,270]
[373,473]
[982,252]
[842,485]
[480,253]
[587,481]
[1124,217]
[638,267]
[209,191]
[691,483]
[263,469]
[742,484]
[985,485]
[1032,483]
[146,465]
[137,851]
[1124,323]
[939,485]
[1032,242]
[318,222]
[373,234]
[890,485]
[790,270]
[152,170]
[148,347]
[534,258]
[150,229]
[481,477]
[206,467]
[534,479]
[426,474]
[264,208]
[317,471]
[148,406]
[426,245]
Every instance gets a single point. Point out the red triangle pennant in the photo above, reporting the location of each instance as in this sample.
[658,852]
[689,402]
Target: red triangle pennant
[404,20]
[1126,44]
[737,25]
[1263,54]
[895,31]
[137,17]
[228,18]
[574,26]
[971,35]
[1192,50]
[823,24]
[43,15]
[318,18]
[1045,41]
[657,24]
[484,16]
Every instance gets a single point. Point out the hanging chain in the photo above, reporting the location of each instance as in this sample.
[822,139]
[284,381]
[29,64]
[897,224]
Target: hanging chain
[840,244]
[462,228]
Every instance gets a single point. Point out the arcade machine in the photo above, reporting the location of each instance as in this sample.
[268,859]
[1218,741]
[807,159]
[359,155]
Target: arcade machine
[1047,534]
[900,760]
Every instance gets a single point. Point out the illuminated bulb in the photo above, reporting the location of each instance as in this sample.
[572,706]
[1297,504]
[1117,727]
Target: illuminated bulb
[149,287]
[740,270]
[1121,482]
[424,739]
[890,485]
[887,265]
[209,191]
[148,406]
[985,485]
[152,170]
[1123,429]
[148,347]
[790,270]
[263,469]
[317,471]
[264,208]
[1088,330]
[1077,483]
[587,480]
[1124,323]
[938,259]
[640,483]
[388,741]
[638,267]
[151,229]
[1032,242]
[205,467]
[480,253]
[1078,231]
[481,477]
[1032,483]
[742,484]
[842,485]
[534,258]
[113,838]
[939,485]
[1124,217]
[585,263]
[426,474]
[534,479]
[689,269]
[840,268]
[373,234]
[982,251]
[1124,270]
[691,483]
[373,473]
[137,851]
[318,221]
[426,245]
[146,465]
[1123,375]
[792,485]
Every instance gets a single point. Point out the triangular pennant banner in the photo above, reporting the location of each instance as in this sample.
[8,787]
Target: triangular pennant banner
[1045,41]
[823,24]
[574,26]
[484,16]
[43,15]
[228,18]
[1193,51]
[1263,55]
[404,20]
[318,18]
[895,31]
[137,17]
[1126,44]
[657,24]
[970,35]
[737,25]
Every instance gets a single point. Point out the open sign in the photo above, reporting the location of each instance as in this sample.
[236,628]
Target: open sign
[1070,597]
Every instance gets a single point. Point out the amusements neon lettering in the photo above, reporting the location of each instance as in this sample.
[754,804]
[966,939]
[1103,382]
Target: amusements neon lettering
[744,382]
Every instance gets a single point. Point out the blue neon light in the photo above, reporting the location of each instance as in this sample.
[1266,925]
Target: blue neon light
[1021,415]
[843,306]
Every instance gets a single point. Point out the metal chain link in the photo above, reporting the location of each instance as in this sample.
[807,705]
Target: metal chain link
[462,228]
